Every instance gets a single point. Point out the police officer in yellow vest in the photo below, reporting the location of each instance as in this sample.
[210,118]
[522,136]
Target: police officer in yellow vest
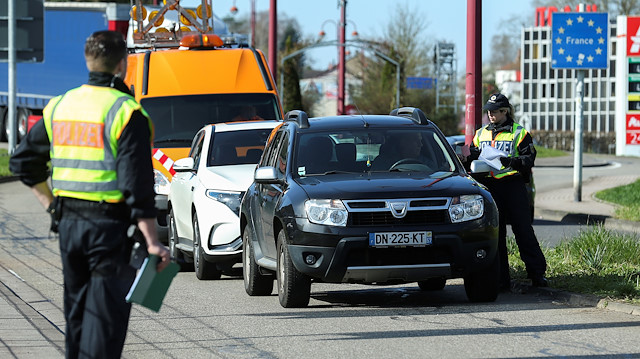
[98,139]
[507,186]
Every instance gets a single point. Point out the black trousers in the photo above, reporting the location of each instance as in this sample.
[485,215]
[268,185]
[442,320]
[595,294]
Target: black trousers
[95,254]
[510,195]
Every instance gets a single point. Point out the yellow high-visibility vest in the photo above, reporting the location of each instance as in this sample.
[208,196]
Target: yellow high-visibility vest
[504,141]
[84,126]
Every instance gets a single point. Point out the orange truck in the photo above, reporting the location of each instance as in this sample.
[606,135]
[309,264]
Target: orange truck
[185,76]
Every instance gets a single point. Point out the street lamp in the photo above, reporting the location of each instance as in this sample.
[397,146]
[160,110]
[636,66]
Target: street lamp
[322,34]
[341,26]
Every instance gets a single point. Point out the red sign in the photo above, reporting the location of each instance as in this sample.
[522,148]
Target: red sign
[543,13]
[633,129]
[633,36]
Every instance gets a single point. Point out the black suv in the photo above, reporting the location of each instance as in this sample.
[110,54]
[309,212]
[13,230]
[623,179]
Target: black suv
[365,199]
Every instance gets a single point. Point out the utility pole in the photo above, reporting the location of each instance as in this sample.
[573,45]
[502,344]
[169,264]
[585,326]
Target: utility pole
[473,95]
[273,38]
[341,55]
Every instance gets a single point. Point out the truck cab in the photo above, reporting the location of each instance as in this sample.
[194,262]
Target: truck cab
[186,76]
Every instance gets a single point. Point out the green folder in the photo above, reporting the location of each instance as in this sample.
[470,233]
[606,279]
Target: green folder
[150,286]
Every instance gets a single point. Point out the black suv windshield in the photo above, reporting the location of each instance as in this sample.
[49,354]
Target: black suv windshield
[176,119]
[375,150]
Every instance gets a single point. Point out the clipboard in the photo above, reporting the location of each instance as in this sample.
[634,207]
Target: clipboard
[150,287]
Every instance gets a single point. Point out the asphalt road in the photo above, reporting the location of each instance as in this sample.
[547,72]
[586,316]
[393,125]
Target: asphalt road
[216,319]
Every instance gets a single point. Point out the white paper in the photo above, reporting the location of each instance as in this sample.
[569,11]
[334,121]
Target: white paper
[491,156]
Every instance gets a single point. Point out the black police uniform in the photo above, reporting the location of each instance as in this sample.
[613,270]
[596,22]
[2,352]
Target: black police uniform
[512,200]
[94,246]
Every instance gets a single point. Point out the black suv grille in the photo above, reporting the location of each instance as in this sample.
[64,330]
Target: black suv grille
[386,218]
[408,211]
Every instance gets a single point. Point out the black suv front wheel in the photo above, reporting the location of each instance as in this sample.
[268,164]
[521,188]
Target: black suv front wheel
[294,288]
[254,282]
[482,286]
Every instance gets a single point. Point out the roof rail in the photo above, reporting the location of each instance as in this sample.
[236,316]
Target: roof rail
[299,116]
[414,113]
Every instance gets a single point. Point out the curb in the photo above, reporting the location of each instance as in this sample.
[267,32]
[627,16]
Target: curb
[6,179]
[551,164]
[584,300]
[587,219]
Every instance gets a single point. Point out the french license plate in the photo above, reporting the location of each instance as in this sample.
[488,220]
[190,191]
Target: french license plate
[399,239]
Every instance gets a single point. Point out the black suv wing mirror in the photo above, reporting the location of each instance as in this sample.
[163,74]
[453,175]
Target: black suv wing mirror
[265,174]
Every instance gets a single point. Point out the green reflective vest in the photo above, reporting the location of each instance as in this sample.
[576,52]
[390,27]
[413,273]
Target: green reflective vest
[84,126]
[504,141]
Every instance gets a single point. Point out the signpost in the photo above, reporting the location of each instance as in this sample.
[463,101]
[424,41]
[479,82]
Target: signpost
[21,40]
[579,41]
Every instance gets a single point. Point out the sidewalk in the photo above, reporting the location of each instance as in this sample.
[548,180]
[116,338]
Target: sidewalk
[560,205]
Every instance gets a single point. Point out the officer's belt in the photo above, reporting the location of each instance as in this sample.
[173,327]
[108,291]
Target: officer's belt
[73,207]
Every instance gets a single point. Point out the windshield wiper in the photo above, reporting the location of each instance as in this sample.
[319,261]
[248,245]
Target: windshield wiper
[333,172]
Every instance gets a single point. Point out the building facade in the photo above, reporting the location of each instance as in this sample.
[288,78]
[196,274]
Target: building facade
[548,106]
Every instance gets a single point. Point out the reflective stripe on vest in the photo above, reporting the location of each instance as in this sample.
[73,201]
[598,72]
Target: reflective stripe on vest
[84,143]
[504,141]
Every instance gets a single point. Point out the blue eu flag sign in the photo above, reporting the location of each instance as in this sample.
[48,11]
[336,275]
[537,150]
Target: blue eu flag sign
[579,40]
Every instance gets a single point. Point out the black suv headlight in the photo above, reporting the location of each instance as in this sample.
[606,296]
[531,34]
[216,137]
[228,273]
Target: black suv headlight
[329,212]
[466,208]
[229,199]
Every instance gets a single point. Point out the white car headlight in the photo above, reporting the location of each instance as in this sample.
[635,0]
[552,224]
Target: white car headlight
[330,212]
[466,208]
[229,199]
[161,183]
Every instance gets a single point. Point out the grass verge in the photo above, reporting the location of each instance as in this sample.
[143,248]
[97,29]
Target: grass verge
[597,261]
[627,197]
[549,152]
[4,163]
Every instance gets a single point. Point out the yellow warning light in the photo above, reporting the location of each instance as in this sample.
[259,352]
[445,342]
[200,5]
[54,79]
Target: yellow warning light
[134,13]
[186,21]
[201,40]
[199,11]
[159,20]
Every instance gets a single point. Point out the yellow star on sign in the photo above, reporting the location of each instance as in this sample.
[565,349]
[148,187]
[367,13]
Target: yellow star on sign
[558,40]
[599,30]
[601,41]
[569,22]
[580,19]
[590,58]
[598,51]
[590,22]
[569,58]
[560,51]
[561,30]
[579,62]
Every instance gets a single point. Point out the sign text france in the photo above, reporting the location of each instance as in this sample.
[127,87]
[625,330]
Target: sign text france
[579,40]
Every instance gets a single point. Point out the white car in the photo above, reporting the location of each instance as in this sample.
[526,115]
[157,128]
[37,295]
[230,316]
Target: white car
[205,195]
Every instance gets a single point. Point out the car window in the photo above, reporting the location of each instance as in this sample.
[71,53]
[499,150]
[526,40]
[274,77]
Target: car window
[269,158]
[282,155]
[196,148]
[237,147]
[380,149]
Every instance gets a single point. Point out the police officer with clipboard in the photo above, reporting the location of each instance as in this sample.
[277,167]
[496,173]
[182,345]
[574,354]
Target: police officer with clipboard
[507,186]
[98,139]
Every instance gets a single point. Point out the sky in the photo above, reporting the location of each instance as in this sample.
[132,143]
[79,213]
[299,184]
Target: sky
[445,19]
